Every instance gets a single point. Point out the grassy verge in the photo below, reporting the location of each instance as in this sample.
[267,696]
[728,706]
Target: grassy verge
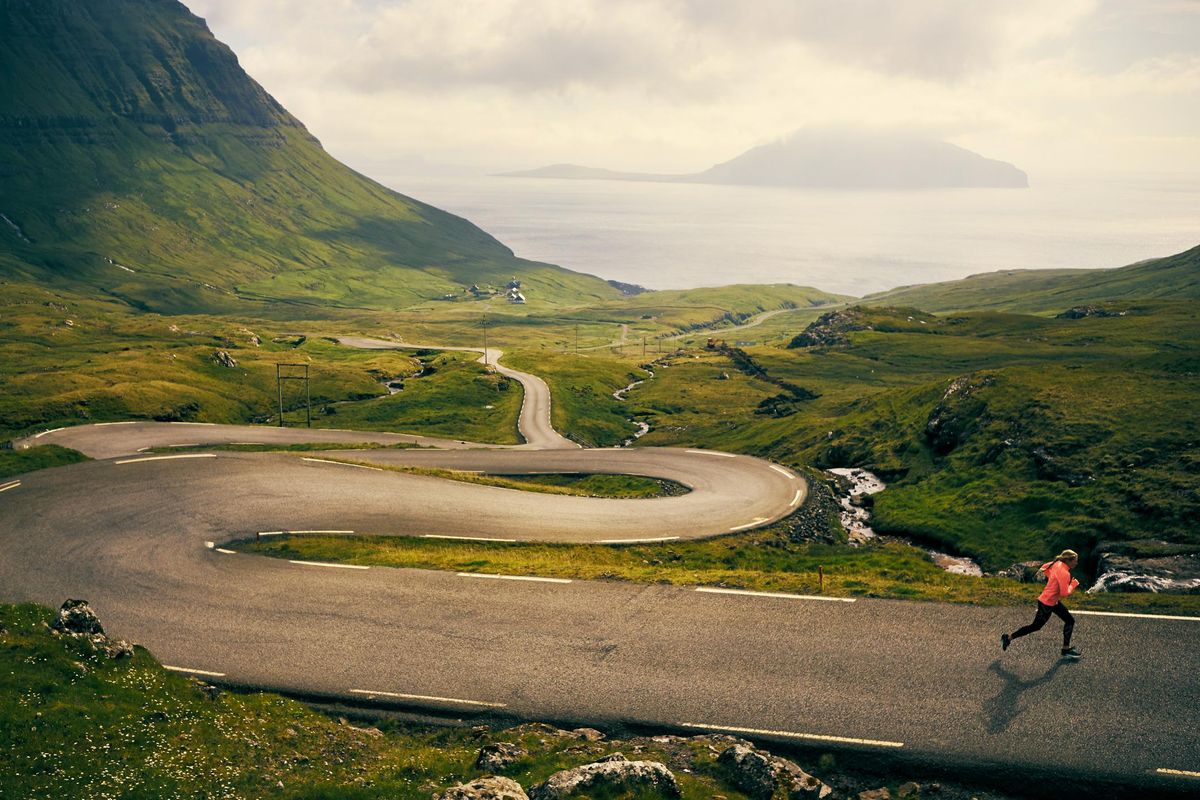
[762,560]
[18,462]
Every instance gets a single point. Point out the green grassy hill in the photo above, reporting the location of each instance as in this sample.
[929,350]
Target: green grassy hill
[1175,277]
[1002,436]
[139,160]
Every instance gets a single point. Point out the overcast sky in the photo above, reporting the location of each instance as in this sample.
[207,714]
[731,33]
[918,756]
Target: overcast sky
[677,85]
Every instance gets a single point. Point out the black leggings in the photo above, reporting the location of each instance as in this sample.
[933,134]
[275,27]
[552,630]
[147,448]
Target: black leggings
[1043,614]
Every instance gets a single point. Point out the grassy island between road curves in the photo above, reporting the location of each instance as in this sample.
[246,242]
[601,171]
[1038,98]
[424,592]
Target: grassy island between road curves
[764,560]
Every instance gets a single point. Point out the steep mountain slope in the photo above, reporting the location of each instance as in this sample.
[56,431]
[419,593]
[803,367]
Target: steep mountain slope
[1175,277]
[138,157]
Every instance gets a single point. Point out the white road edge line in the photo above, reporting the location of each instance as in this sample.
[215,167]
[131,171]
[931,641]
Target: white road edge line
[191,671]
[210,545]
[636,541]
[711,453]
[7,486]
[1135,616]
[102,424]
[164,458]
[750,524]
[43,433]
[780,595]
[272,533]
[343,464]
[783,472]
[796,499]
[511,577]
[312,532]
[327,564]
[792,735]
[464,538]
[1183,773]
[226,552]
[369,692]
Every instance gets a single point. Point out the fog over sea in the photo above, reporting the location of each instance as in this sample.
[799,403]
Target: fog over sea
[670,236]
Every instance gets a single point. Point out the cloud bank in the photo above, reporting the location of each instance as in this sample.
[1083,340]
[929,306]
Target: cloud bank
[678,84]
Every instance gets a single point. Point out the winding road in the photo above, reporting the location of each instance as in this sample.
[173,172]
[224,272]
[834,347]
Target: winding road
[140,536]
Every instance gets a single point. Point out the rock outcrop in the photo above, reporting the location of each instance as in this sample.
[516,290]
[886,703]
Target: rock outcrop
[1079,312]
[1025,572]
[77,619]
[612,773]
[1175,573]
[830,329]
[1052,468]
[222,358]
[956,413]
[763,776]
[496,756]
[489,788]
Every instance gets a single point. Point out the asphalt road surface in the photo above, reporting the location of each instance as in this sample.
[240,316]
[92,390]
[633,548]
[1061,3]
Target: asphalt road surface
[140,536]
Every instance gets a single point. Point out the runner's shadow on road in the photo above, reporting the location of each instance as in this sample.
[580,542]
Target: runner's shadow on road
[1006,706]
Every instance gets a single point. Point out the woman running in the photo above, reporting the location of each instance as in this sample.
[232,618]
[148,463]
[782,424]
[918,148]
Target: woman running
[1059,584]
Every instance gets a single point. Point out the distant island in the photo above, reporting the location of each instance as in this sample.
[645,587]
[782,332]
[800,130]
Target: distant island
[831,159]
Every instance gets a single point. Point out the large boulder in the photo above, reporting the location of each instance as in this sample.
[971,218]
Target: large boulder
[489,788]
[223,359]
[77,618]
[612,773]
[763,776]
[1025,572]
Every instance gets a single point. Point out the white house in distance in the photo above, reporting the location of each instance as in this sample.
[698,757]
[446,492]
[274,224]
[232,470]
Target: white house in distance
[514,292]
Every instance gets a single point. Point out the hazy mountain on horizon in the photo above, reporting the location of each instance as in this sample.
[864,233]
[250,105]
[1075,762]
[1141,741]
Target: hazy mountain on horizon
[832,159]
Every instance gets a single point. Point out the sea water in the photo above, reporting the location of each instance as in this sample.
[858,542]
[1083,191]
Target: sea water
[670,236]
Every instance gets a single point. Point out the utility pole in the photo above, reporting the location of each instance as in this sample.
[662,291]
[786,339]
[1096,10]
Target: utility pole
[643,347]
[281,376]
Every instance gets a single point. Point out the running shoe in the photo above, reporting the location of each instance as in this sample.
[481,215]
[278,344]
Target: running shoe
[1071,652]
